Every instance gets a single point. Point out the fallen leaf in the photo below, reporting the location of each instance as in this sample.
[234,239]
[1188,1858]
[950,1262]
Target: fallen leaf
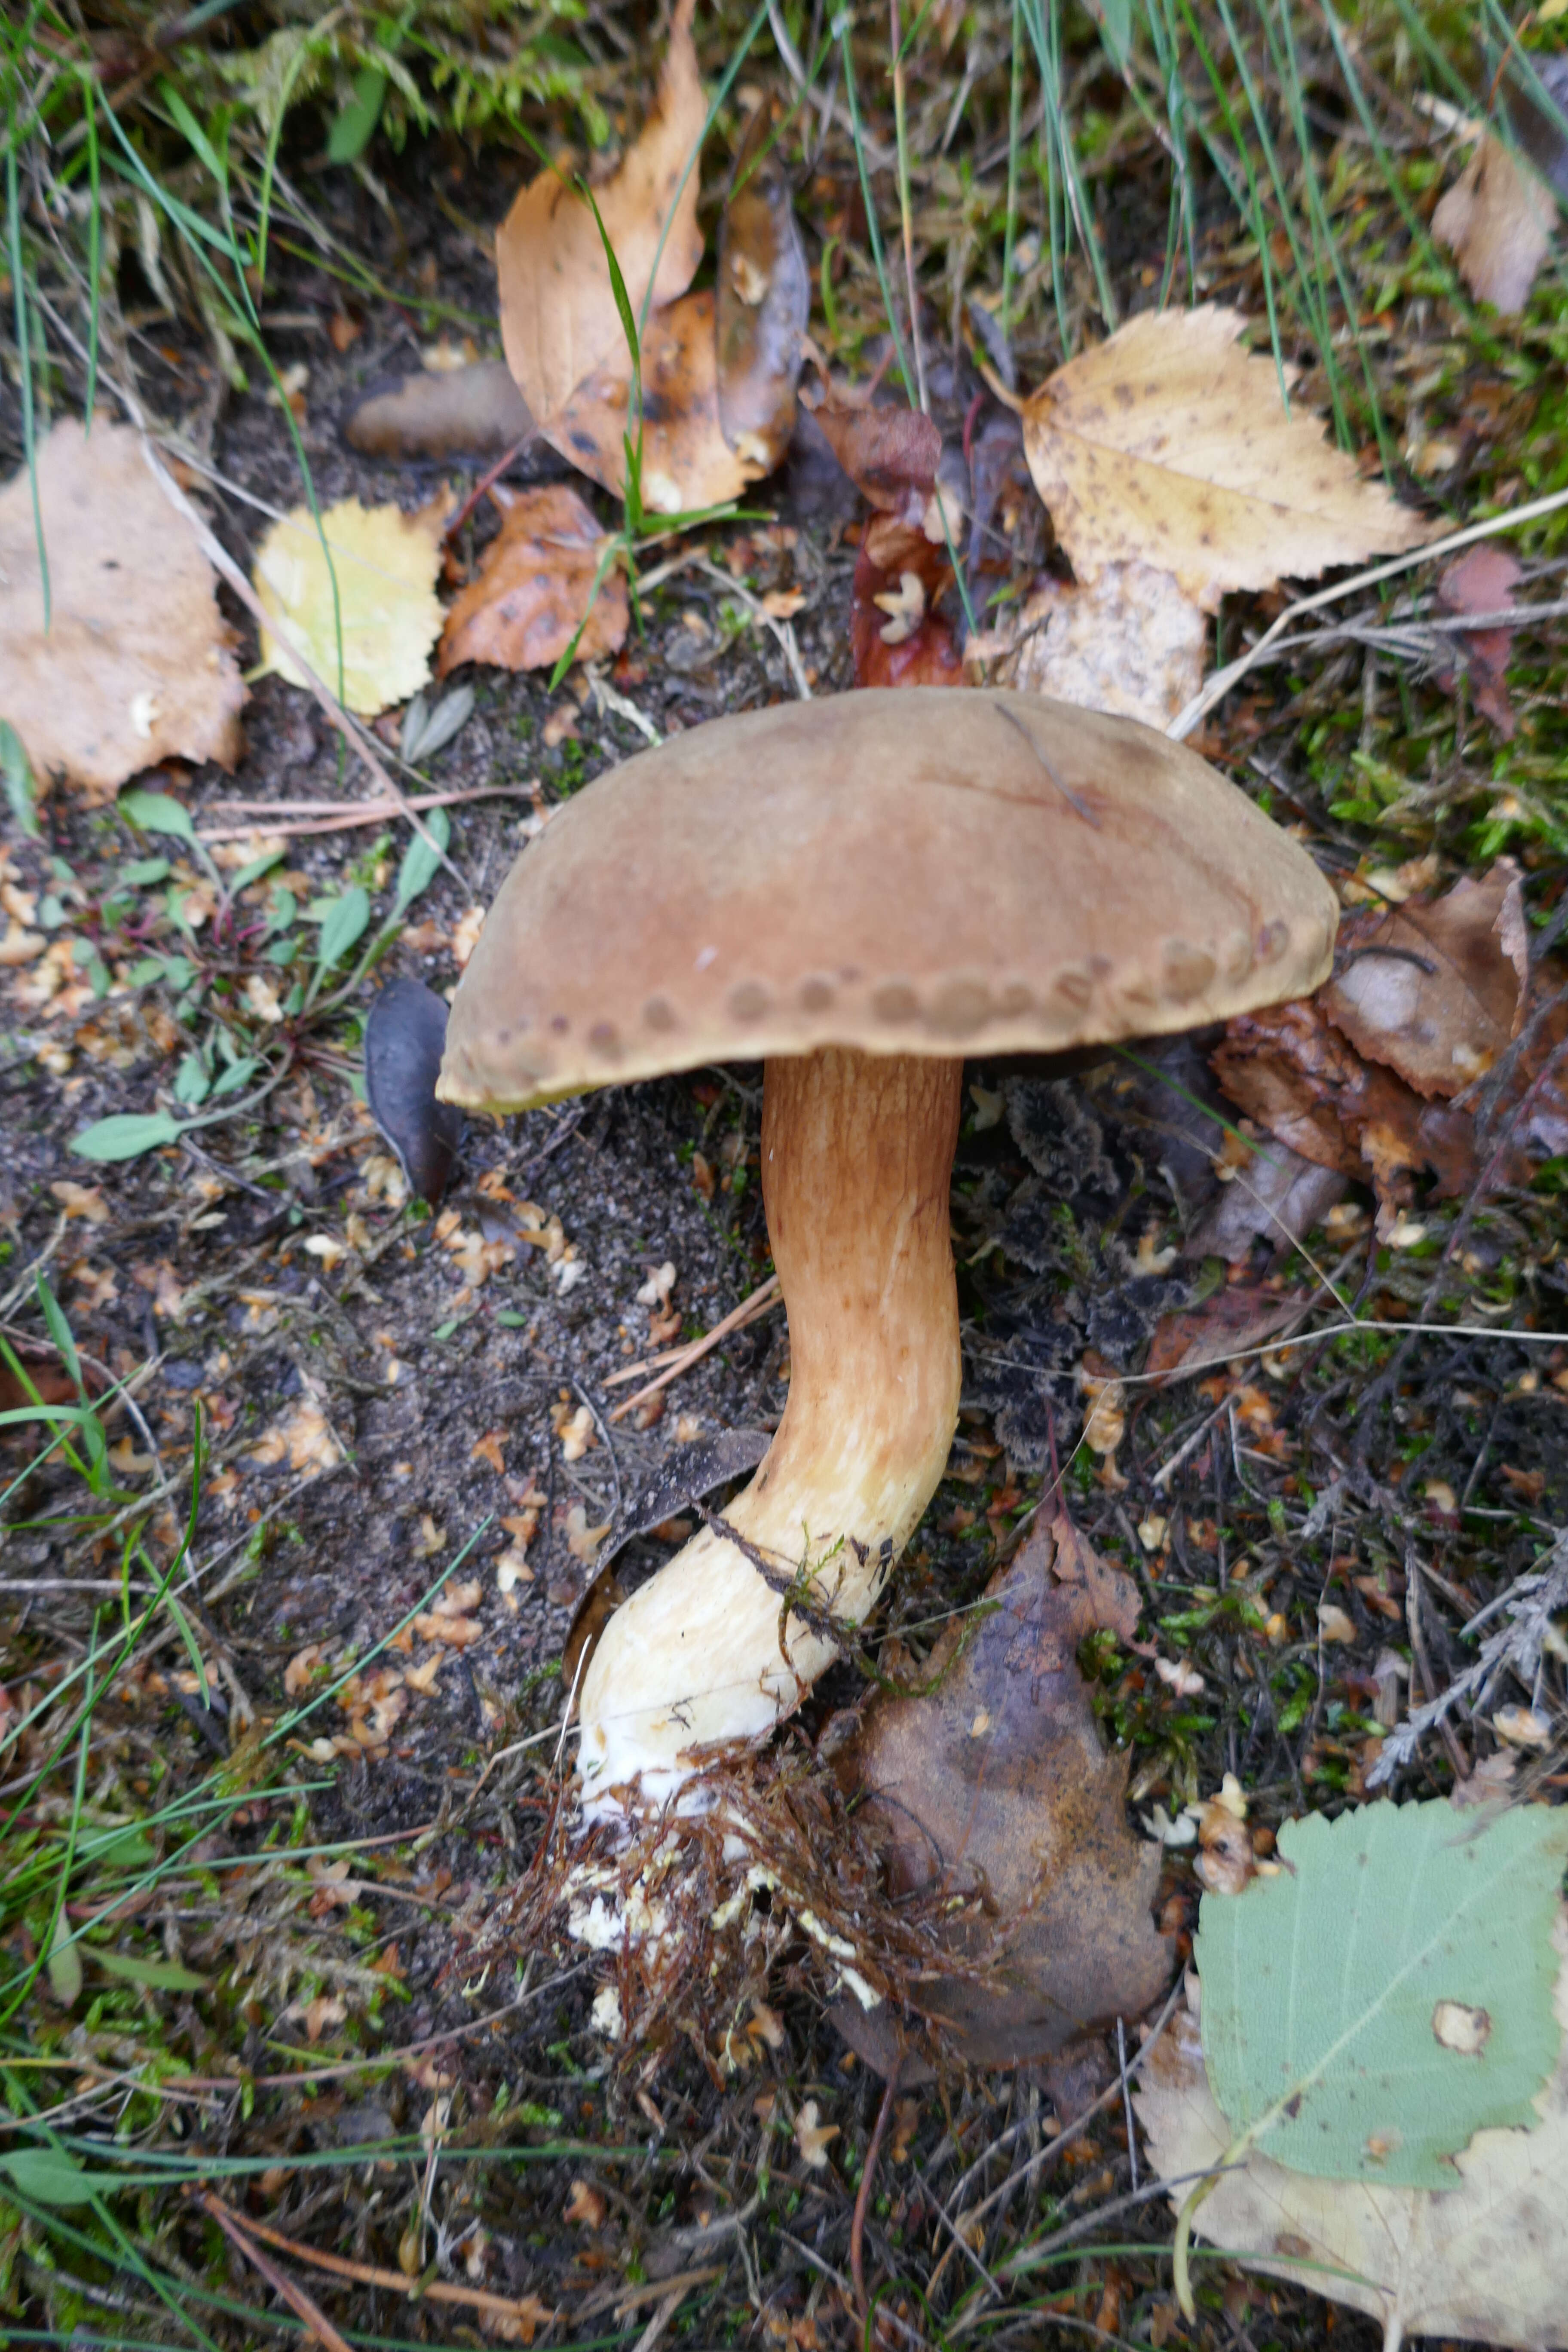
[581,1541]
[687,464]
[299,1669]
[533,591]
[81,1201]
[1434,988]
[997,1782]
[813,2138]
[1185,1680]
[1483,2260]
[327,2009]
[1235,1319]
[1334,1623]
[488,1448]
[423,1678]
[304,1438]
[136,664]
[562,330]
[586,2207]
[1483,581]
[1169,445]
[764,302]
[1129,641]
[385,564]
[1497,220]
[465,935]
[520,2322]
[558,313]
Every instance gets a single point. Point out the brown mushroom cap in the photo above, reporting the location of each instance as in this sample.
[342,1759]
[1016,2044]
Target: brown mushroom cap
[945,871]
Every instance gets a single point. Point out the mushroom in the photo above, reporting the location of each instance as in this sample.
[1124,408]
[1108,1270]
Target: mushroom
[858,891]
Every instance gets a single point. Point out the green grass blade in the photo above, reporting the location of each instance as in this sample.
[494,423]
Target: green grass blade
[24,366]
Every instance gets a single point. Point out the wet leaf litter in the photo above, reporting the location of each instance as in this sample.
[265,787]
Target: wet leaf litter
[1065,1306]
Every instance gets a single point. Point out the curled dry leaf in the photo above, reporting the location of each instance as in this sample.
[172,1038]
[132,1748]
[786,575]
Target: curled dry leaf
[558,314]
[1497,220]
[385,564]
[1434,987]
[532,593]
[1238,1317]
[898,632]
[562,330]
[995,1785]
[136,665]
[1170,444]
[1483,581]
[763,303]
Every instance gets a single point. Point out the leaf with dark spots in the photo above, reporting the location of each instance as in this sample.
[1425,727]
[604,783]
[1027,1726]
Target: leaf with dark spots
[532,593]
[403,1039]
[764,302]
[1237,1317]
[994,1790]
[472,411]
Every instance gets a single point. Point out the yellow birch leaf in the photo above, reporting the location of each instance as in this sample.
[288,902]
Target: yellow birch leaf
[1169,445]
[386,563]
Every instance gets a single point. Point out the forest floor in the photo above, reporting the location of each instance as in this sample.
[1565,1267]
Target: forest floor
[386,1396]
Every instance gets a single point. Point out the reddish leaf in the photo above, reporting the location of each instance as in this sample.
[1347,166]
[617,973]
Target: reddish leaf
[1483,581]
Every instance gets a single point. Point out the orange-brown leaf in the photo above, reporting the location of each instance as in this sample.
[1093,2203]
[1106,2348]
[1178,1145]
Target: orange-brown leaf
[533,587]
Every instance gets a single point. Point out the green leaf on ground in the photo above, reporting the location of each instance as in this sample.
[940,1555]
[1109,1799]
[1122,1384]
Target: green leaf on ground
[1389,1994]
[20,789]
[421,863]
[65,1965]
[48,2175]
[343,925]
[165,1976]
[126,1136]
[157,813]
[354,125]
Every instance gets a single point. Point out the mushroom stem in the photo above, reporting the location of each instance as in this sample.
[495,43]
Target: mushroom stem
[857,1160]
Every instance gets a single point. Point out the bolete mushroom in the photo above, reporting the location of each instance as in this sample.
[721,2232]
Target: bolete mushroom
[859,891]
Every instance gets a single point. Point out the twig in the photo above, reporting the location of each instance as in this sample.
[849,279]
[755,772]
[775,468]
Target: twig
[863,2194]
[293,2295]
[605,1442]
[310,818]
[1220,684]
[765,1296]
[1127,2100]
[471,2298]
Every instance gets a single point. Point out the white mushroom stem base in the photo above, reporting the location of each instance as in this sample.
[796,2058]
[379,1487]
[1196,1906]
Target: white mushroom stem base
[856,1162]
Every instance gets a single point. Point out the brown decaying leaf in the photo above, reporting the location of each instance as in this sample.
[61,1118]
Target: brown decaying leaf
[687,464]
[1435,987]
[532,594]
[1483,581]
[472,411]
[897,632]
[764,302]
[1239,1317]
[1452,1005]
[997,1786]
[136,665]
[558,314]
[1496,220]
[1486,2261]
[1170,444]
[563,333]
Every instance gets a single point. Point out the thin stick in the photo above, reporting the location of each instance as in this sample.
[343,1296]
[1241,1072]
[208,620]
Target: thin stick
[868,2174]
[757,1304]
[1220,684]
[332,816]
[471,2298]
[1127,2100]
[293,2295]
[760,1301]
